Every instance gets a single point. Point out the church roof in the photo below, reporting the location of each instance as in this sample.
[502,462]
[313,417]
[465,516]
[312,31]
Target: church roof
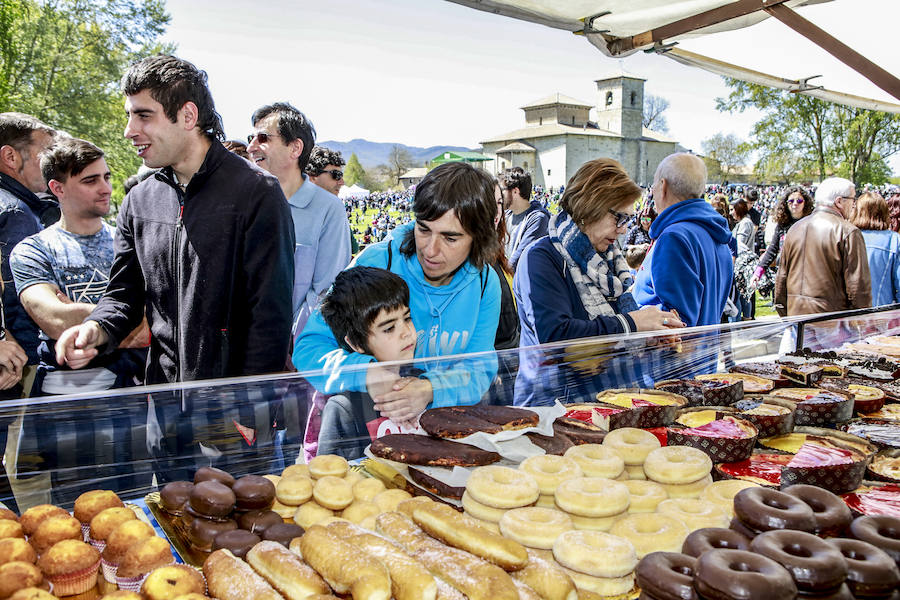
[549,129]
[557,98]
[619,73]
[516,147]
[656,136]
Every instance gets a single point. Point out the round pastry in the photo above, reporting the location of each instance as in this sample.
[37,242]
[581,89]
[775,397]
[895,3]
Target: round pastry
[534,527]
[870,571]
[282,533]
[354,477]
[687,490]
[408,506]
[738,526]
[173,496]
[632,444]
[601,587]
[236,541]
[283,510]
[201,532]
[651,532]
[106,522]
[712,538]
[16,549]
[595,553]
[882,531]
[763,509]
[550,470]
[124,595]
[173,580]
[17,575]
[635,471]
[388,500]
[310,513]
[816,565]
[213,499]
[645,495]
[253,492]
[502,487]
[667,576]
[71,566]
[481,511]
[13,529]
[596,523]
[696,515]
[328,465]
[213,474]
[333,492]
[832,514]
[32,517]
[194,596]
[677,464]
[8,515]
[140,560]
[738,575]
[273,478]
[120,540]
[299,470]
[55,529]
[256,521]
[360,510]
[367,488]
[89,504]
[593,497]
[36,593]
[721,493]
[597,460]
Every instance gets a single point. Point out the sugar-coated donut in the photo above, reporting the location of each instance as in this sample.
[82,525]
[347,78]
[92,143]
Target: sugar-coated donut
[632,444]
[597,460]
[367,488]
[535,527]
[645,495]
[502,487]
[333,492]
[388,500]
[546,501]
[481,511]
[593,497]
[651,532]
[722,493]
[712,538]
[602,586]
[738,575]
[832,514]
[359,510]
[595,553]
[696,515]
[870,571]
[677,464]
[294,491]
[882,531]
[816,565]
[667,576]
[301,470]
[596,523]
[764,509]
[310,513]
[354,477]
[687,490]
[328,465]
[550,470]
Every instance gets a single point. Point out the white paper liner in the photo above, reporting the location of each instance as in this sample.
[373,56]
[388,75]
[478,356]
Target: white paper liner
[131,584]
[109,570]
[86,531]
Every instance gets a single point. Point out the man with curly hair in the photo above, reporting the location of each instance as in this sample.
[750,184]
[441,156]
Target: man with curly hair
[324,169]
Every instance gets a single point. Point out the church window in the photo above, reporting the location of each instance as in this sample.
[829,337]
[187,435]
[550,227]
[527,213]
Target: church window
[633,97]
[548,172]
[540,120]
[525,165]
[609,98]
[573,119]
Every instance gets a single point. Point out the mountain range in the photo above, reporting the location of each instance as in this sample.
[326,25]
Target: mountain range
[372,154]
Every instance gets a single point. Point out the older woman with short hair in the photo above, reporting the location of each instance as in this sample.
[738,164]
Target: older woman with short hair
[872,216]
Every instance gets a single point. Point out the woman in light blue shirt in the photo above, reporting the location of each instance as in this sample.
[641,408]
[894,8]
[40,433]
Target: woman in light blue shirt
[882,247]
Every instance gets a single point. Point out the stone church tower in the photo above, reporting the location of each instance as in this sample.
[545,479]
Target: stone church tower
[620,105]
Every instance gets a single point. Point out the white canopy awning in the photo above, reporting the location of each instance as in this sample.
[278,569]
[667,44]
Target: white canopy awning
[352,191]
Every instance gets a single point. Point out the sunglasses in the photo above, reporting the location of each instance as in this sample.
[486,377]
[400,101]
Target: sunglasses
[335,174]
[795,201]
[645,219]
[262,136]
[621,218]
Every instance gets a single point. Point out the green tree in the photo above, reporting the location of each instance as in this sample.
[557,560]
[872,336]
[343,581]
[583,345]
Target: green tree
[61,61]
[728,151]
[353,171]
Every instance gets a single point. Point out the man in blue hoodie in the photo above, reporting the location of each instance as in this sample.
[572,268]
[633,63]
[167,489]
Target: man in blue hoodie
[689,267]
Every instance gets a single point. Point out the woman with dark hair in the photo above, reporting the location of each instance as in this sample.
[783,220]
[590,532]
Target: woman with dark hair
[640,232]
[743,230]
[508,328]
[873,217]
[794,204]
[745,235]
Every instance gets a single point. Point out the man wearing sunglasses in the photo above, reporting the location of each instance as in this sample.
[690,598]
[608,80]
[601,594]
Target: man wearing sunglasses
[324,169]
[282,145]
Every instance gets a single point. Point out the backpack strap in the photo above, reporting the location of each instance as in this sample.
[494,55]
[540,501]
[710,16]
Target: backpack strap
[390,256]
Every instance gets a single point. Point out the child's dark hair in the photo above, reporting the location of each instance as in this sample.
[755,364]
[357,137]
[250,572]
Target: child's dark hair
[355,300]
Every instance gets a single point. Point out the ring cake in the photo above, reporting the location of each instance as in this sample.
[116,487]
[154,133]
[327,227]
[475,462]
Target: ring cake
[753,384]
[771,416]
[423,450]
[722,437]
[704,393]
[637,408]
[818,408]
[454,422]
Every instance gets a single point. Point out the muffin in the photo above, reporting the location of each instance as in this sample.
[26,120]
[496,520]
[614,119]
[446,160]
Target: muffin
[171,581]
[106,522]
[8,515]
[11,529]
[120,540]
[17,575]
[92,503]
[32,593]
[16,549]
[192,596]
[55,529]
[71,566]
[140,560]
[32,517]
[122,595]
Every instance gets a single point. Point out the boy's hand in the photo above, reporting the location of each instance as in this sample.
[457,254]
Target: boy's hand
[409,397]
[380,380]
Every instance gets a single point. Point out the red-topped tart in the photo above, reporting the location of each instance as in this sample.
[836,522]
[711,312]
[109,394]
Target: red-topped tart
[723,438]
[869,500]
[885,467]
[752,383]
[635,408]
[763,469]
[816,407]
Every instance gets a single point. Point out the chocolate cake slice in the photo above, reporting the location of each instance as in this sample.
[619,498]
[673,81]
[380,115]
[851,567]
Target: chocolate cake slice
[556,444]
[414,449]
[507,417]
[452,422]
[805,375]
[766,370]
[435,486]
[578,431]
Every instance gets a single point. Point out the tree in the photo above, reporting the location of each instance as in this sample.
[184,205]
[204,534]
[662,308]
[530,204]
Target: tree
[728,151]
[353,172]
[399,162]
[61,61]
[654,107]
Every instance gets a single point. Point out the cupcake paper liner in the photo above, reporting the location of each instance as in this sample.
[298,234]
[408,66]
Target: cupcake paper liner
[71,584]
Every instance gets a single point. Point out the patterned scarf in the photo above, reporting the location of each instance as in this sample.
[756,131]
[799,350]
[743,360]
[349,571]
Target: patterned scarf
[599,278]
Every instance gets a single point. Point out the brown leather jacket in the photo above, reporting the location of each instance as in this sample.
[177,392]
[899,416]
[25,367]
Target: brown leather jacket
[823,266]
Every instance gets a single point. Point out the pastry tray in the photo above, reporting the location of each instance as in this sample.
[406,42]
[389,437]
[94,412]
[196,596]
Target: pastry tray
[175,532]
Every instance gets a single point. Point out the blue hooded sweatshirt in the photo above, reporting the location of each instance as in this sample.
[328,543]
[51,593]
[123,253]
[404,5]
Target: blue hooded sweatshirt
[460,317]
[689,266]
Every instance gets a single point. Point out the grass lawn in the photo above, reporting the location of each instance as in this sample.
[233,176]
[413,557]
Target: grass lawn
[764,306]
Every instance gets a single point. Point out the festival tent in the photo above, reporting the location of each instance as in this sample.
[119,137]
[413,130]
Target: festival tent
[352,191]
[702,33]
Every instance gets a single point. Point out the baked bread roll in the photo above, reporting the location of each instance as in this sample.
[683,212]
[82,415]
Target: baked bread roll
[284,571]
[343,566]
[230,578]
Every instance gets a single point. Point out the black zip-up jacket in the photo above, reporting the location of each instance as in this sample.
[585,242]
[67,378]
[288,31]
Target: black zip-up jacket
[212,266]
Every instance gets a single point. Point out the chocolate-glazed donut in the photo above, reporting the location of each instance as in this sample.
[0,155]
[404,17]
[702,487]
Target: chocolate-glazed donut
[202,532]
[237,541]
[257,521]
[764,509]
[832,514]
[666,576]
[882,531]
[815,565]
[725,574]
[711,538]
[841,593]
[212,498]
[282,533]
[870,571]
[213,474]
[253,492]
[173,496]
[736,525]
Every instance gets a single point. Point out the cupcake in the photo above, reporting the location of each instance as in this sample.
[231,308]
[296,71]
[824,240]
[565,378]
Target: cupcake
[32,593]
[32,517]
[11,529]
[120,540]
[55,529]
[172,581]
[71,566]
[140,560]
[106,522]
[92,503]
[8,515]
[16,549]
[17,575]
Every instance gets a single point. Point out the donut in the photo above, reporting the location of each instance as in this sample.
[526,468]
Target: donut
[764,509]
[273,478]
[603,587]
[213,474]
[367,488]
[645,495]
[535,527]
[738,526]
[310,513]
[815,565]
[546,501]
[388,500]
[632,444]
[677,464]
[592,497]
[173,496]
[283,533]
[354,477]
[696,515]
[651,532]
[211,498]
[687,490]
[870,571]
[284,511]
[328,465]
[333,492]
[722,493]
[550,470]
[840,593]
[832,514]
[294,491]
[667,576]
[597,460]
[726,574]
[236,541]
[712,538]
[253,492]
[359,510]
[595,523]
[256,521]
[882,531]
[595,553]
[300,470]
[481,511]
[635,471]
[502,487]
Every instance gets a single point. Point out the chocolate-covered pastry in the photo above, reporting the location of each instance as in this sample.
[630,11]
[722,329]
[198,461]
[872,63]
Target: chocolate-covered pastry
[556,444]
[173,496]
[283,533]
[213,474]
[257,521]
[253,492]
[202,532]
[435,486]
[454,422]
[423,450]
[578,431]
[212,498]
[237,541]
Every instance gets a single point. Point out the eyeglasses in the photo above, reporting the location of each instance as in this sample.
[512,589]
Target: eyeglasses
[851,198]
[645,219]
[262,136]
[335,174]
[621,218]
[795,200]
